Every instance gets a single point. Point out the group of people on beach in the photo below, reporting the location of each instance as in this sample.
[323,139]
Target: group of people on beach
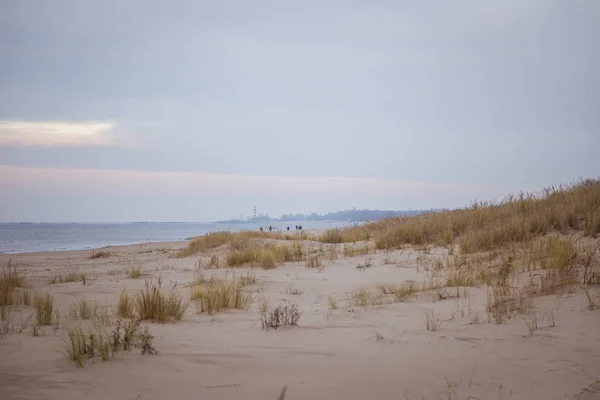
[270,228]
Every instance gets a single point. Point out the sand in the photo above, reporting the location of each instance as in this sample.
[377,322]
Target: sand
[375,352]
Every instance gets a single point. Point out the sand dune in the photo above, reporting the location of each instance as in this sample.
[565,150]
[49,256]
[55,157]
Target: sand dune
[380,351]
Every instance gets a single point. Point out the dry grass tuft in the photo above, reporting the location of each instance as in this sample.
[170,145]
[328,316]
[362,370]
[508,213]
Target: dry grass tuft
[218,295]
[135,273]
[70,277]
[346,235]
[362,297]
[333,304]
[400,292]
[44,307]
[264,255]
[352,251]
[125,306]
[98,343]
[592,298]
[293,291]
[83,309]
[99,254]
[432,323]
[314,261]
[10,280]
[488,226]
[218,239]
[154,304]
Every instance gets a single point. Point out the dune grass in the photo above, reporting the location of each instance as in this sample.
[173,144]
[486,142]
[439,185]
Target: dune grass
[10,280]
[264,255]
[154,304]
[486,226]
[217,239]
[126,305]
[68,278]
[217,295]
[351,234]
[99,254]
[135,273]
[99,343]
[44,308]
[83,309]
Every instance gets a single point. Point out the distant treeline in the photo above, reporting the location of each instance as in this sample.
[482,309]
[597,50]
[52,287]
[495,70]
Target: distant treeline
[353,215]
[346,215]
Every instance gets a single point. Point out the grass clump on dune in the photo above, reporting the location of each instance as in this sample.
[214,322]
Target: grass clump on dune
[126,305]
[487,226]
[83,309]
[99,254]
[154,304]
[10,279]
[218,295]
[346,235]
[44,308]
[217,239]
[98,343]
[264,255]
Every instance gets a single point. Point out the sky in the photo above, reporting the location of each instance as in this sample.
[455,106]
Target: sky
[146,110]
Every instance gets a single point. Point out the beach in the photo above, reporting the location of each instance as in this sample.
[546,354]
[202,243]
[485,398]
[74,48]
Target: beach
[340,347]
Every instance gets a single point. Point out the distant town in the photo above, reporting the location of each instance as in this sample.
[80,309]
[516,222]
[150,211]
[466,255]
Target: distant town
[353,215]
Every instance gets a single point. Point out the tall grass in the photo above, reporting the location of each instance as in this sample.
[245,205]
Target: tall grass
[347,235]
[264,255]
[44,308]
[486,226]
[217,239]
[10,279]
[218,295]
[126,305]
[152,303]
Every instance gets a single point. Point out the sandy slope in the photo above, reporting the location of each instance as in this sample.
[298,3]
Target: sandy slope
[333,354]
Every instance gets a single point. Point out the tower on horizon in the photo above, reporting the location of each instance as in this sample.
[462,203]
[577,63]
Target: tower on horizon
[254,212]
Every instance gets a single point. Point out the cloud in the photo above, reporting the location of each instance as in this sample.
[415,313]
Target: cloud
[55,134]
[124,182]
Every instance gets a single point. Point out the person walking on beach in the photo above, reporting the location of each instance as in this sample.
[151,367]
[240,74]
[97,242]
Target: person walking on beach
[261,229]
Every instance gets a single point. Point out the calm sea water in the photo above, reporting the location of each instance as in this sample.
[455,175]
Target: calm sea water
[21,238]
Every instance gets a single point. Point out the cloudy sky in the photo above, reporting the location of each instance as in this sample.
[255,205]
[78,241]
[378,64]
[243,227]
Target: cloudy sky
[153,110]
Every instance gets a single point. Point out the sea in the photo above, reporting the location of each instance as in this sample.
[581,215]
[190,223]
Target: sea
[34,237]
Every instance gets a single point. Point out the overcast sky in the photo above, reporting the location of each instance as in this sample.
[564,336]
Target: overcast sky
[152,110]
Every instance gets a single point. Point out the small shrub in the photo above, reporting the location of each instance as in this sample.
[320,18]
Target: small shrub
[284,314]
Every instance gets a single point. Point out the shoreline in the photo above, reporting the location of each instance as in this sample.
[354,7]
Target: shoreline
[158,244]
[148,245]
